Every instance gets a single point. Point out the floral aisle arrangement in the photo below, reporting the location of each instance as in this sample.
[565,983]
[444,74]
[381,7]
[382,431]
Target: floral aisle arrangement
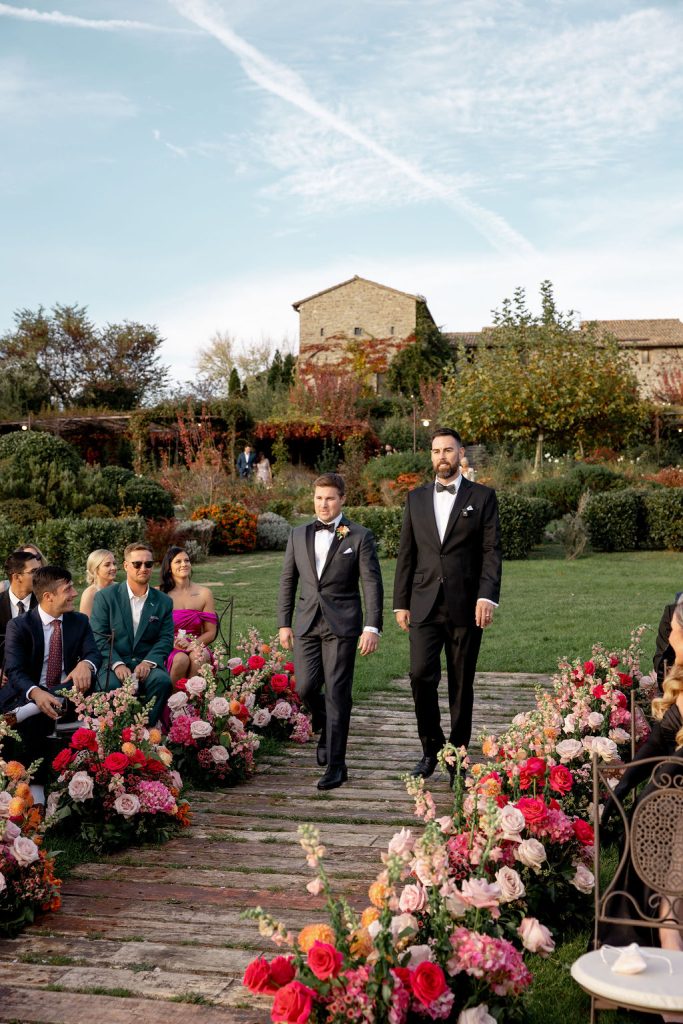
[587,709]
[115,785]
[27,873]
[263,679]
[207,735]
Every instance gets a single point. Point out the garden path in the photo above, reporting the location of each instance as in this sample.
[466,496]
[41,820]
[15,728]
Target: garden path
[154,933]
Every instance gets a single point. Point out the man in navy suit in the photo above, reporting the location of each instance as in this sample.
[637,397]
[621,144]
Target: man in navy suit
[246,461]
[48,649]
[329,560]
[18,598]
[447,586]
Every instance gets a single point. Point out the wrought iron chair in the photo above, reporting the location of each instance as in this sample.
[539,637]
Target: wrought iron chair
[225,617]
[653,842]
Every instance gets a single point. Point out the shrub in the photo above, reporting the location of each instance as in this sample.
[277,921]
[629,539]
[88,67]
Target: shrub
[161,534]
[563,492]
[385,524]
[522,522]
[616,521]
[39,448]
[11,537]
[197,533]
[390,467]
[272,532]
[106,486]
[281,507]
[194,551]
[51,538]
[23,511]
[235,526]
[150,498]
[41,466]
[671,476]
[664,515]
[82,536]
[97,511]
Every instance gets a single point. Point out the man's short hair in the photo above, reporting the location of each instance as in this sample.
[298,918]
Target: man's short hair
[332,480]
[137,545]
[16,562]
[446,432]
[47,579]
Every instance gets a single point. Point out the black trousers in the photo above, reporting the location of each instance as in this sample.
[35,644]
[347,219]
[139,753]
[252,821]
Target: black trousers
[33,745]
[461,645]
[322,659]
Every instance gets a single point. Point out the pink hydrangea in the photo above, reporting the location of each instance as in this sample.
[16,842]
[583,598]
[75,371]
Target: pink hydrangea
[180,730]
[155,798]
[496,960]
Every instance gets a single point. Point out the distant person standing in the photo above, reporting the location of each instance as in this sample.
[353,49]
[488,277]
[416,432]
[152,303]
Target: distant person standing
[246,461]
[262,471]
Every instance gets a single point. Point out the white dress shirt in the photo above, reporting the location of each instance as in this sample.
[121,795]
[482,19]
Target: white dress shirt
[14,602]
[443,506]
[136,606]
[323,543]
[48,627]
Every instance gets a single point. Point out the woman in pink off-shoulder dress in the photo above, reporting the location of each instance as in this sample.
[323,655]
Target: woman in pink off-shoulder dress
[194,616]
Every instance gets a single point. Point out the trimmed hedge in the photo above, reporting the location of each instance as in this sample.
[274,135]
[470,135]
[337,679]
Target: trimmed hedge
[617,521]
[385,524]
[664,518]
[389,467]
[563,492]
[522,522]
[69,541]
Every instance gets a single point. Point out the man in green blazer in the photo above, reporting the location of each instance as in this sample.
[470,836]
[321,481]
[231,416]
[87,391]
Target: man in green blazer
[137,623]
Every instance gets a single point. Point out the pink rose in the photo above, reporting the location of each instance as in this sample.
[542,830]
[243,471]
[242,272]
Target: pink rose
[477,1015]
[5,801]
[535,936]
[199,729]
[127,804]
[177,700]
[293,1003]
[195,686]
[476,892]
[24,850]
[569,749]
[3,883]
[282,710]
[511,885]
[261,718]
[412,899]
[324,960]
[531,853]
[583,880]
[80,787]
[401,844]
[219,754]
[219,707]
[512,821]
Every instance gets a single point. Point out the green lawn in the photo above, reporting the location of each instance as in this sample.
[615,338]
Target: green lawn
[549,607]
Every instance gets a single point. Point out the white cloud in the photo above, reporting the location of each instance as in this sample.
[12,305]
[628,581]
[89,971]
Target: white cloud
[72,21]
[25,95]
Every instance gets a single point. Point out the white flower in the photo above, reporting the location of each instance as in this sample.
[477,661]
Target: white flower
[127,804]
[595,720]
[402,923]
[570,723]
[535,936]
[583,880]
[195,686]
[531,853]
[568,750]
[5,801]
[25,851]
[200,729]
[418,955]
[603,747]
[476,1015]
[619,735]
[511,821]
[219,754]
[80,787]
[219,707]
[511,885]
[282,710]
[261,717]
[177,700]
[401,844]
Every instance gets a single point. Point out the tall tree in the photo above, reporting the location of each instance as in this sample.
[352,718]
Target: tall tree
[127,370]
[215,363]
[425,358]
[540,377]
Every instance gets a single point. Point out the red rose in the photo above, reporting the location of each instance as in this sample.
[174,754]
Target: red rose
[127,734]
[535,767]
[243,714]
[257,976]
[288,666]
[292,684]
[589,667]
[625,679]
[613,662]
[292,1004]
[115,763]
[155,767]
[238,670]
[428,982]
[598,691]
[279,682]
[502,800]
[282,971]
[583,832]
[180,684]
[403,974]
[256,661]
[84,739]
[138,758]
[63,759]
[533,808]
[620,699]
[561,779]
[324,960]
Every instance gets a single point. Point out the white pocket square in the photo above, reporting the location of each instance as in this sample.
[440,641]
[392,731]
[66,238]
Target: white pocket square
[349,551]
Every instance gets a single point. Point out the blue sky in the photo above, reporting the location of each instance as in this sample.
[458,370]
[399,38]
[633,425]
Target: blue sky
[202,165]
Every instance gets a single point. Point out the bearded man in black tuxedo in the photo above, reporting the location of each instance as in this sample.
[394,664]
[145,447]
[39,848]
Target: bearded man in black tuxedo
[447,586]
[327,560]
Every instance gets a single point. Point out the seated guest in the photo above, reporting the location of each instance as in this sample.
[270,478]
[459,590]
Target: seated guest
[665,739]
[32,549]
[664,653]
[140,621]
[49,649]
[18,598]
[100,572]
[194,615]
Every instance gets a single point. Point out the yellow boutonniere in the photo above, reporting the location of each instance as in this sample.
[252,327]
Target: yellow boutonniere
[341,532]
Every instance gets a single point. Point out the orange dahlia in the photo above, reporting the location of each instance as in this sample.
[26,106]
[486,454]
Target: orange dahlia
[155,736]
[14,770]
[315,932]
[369,915]
[379,893]
[361,943]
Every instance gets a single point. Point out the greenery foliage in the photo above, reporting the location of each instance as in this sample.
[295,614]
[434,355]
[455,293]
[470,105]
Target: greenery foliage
[563,492]
[616,522]
[522,521]
[22,511]
[148,498]
[272,532]
[385,524]
[664,516]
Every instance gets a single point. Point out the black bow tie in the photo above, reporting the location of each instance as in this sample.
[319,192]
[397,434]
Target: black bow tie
[319,525]
[445,487]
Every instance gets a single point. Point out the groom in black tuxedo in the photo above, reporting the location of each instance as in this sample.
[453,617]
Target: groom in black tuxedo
[327,560]
[447,586]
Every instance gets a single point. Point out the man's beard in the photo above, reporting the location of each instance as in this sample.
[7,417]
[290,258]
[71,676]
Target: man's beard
[452,471]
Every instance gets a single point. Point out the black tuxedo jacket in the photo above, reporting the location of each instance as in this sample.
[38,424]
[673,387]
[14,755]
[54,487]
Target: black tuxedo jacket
[351,564]
[26,651]
[467,564]
[6,617]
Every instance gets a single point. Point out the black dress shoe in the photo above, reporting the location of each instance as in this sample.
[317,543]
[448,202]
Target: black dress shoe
[321,752]
[333,778]
[425,767]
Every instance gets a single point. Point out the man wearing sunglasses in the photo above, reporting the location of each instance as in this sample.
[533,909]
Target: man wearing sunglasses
[134,624]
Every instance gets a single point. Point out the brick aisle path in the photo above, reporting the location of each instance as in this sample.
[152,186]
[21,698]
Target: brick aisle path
[160,926]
